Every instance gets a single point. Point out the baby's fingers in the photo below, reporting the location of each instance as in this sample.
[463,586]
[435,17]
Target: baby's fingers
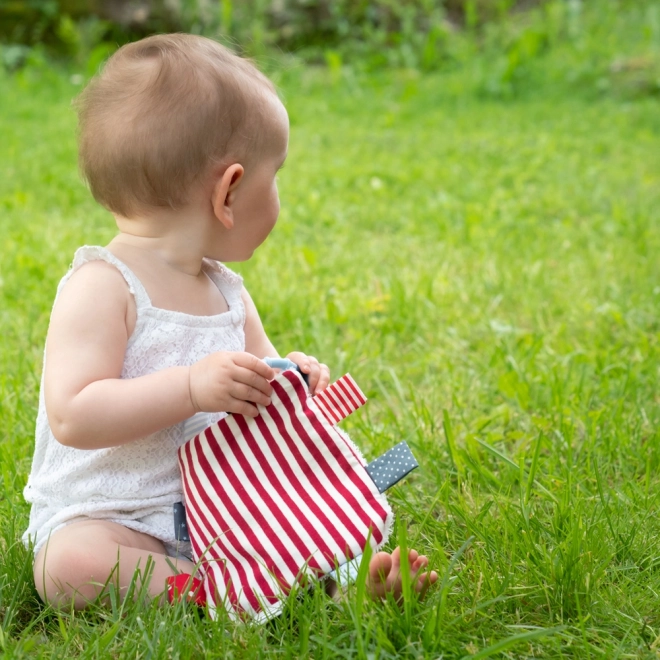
[239,407]
[242,392]
[253,364]
[249,386]
[324,378]
[318,374]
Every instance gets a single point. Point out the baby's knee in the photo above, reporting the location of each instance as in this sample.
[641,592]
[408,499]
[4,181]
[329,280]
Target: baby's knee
[67,570]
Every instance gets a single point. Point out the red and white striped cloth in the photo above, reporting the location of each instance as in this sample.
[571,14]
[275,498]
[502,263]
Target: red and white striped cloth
[340,399]
[272,498]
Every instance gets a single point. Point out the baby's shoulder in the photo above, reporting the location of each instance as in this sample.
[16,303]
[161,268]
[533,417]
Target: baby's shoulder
[94,295]
[94,284]
[97,274]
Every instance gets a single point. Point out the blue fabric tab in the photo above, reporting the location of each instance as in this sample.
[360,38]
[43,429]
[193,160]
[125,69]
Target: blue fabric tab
[392,466]
[280,363]
[285,363]
[346,573]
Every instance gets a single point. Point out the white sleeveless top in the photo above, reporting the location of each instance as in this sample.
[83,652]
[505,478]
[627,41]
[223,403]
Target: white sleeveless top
[134,484]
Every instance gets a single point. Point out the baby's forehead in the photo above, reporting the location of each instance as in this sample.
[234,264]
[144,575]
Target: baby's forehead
[277,120]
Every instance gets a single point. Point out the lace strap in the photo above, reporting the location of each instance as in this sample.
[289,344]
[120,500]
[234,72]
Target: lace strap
[89,253]
[229,283]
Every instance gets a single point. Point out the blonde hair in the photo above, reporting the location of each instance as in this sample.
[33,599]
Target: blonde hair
[160,113]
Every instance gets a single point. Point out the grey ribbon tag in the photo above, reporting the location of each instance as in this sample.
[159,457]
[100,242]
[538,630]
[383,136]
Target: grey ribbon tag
[392,466]
[180,524]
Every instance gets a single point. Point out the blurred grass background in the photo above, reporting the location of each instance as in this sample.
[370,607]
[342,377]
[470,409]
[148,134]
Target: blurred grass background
[470,225]
[509,41]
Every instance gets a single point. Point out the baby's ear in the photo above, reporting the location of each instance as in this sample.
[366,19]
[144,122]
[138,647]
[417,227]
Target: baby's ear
[222,197]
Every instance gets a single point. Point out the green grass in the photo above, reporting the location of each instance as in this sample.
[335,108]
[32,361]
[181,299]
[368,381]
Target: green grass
[488,272]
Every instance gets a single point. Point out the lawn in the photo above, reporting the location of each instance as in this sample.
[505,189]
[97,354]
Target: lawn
[488,271]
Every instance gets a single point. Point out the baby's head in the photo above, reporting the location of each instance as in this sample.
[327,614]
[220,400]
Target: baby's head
[166,111]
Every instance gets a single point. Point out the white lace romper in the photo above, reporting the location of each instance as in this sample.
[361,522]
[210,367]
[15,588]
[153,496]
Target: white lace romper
[134,484]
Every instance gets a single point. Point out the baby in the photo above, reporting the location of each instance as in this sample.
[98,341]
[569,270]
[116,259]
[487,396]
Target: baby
[181,140]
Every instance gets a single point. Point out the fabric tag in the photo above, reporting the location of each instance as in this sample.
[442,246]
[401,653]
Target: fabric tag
[180,523]
[392,466]
[339,400]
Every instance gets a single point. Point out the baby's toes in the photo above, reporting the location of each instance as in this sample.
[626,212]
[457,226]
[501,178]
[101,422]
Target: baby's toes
[396,560]
[380,567]
[418,564]
[378,580]
[424,581]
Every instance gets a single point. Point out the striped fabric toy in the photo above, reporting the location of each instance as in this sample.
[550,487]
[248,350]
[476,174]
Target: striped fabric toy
[283,495]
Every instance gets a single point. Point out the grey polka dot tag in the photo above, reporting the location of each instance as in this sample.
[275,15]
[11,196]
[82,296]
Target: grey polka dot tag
[392,466]
[180,524]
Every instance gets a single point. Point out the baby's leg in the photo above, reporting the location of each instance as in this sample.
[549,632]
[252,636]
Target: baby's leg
[385,574]
[79,558]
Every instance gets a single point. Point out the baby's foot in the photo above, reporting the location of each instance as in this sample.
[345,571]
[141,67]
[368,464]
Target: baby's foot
[385,574]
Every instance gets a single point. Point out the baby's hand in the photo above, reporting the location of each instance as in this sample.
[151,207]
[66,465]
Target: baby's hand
[230,382]
[319,374]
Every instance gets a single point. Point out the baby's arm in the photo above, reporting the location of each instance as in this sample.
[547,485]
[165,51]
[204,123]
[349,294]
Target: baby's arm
[257,343]
[90,406]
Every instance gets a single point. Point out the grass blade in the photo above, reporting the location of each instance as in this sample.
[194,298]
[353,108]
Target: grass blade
[508,642]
